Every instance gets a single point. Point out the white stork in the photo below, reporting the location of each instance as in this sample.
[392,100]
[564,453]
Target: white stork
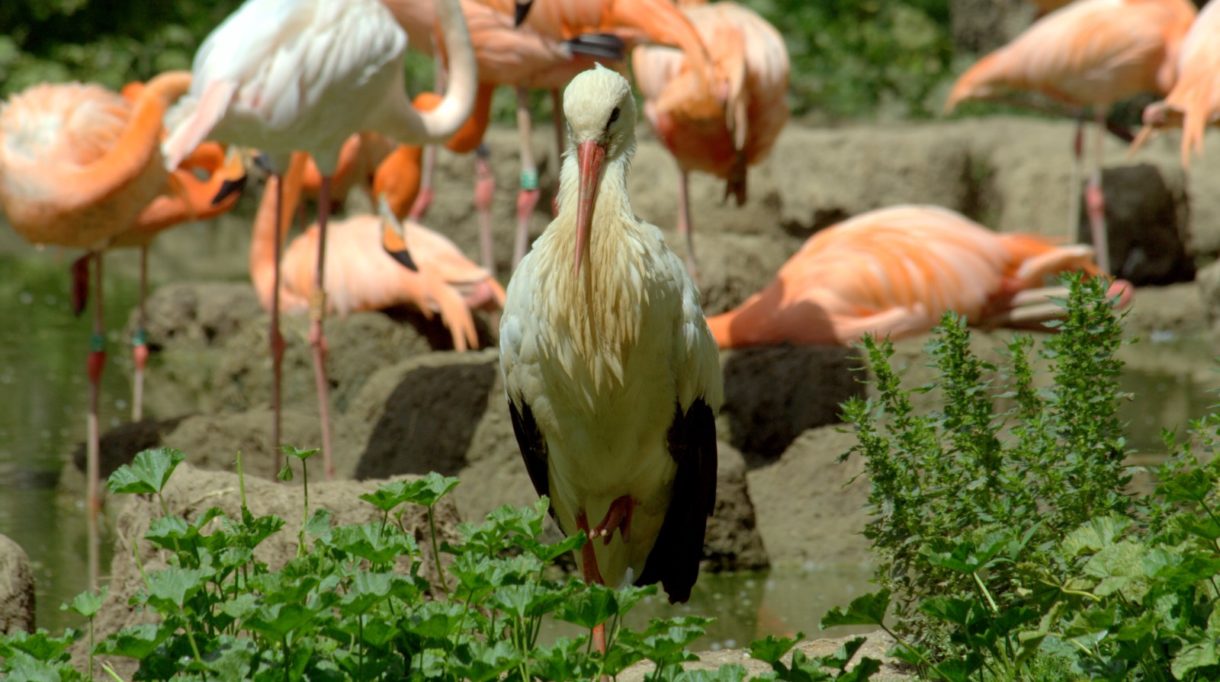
[612,375]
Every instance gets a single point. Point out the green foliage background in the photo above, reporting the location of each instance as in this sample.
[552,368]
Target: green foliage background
[850,58]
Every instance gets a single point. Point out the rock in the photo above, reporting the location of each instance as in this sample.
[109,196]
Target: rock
[1209,291]
[212,441]
[116,448]
[191,492]
[197,314]
[734,266]
[774,394]
[814,507]
[980,26]
[1176,309]
[733,541]
[818,177]
[876,646]
[358,345]
[422,413]
[1146,219]
[16,588]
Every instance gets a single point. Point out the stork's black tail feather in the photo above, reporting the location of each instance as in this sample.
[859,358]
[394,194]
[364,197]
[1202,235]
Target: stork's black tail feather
[674,559]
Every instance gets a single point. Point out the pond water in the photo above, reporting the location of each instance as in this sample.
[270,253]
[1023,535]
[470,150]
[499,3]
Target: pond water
[42,361]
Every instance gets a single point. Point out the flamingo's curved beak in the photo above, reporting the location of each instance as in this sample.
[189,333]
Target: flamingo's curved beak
[590,155]
[521,10]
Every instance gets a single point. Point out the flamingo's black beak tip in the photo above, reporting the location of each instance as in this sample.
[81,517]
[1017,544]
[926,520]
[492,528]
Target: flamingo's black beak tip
[404,259]
[264,163]
[521,10]
[229,188]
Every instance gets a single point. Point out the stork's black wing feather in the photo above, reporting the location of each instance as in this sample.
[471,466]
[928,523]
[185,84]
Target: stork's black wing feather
[674,559]
[532,445]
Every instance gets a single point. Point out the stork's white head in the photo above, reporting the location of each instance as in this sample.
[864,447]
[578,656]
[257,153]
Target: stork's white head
[601,126]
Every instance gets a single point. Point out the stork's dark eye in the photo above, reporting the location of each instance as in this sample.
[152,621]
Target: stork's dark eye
[613,117]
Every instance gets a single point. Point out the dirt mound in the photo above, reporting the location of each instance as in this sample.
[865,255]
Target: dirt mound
[191,492]
[772,395]
[815,506]
[16,588]
[197,314]
[213,441]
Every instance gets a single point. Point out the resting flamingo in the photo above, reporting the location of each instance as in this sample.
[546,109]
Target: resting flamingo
[1194,102]
[1090,53]
[366,269]
[393,172]
[896,271]
[304,75]
[747,53]
[78,164]
[552,43]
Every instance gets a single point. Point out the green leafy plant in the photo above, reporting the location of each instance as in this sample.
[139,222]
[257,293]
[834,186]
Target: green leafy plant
[1006,541]
[355,602]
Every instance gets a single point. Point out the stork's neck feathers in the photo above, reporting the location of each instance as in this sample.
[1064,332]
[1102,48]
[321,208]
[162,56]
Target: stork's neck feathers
[597,315]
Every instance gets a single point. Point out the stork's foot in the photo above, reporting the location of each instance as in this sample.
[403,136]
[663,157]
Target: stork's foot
[618,517]
[588,560]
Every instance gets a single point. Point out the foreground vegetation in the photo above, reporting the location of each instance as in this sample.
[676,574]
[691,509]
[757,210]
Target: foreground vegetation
[1009,548]
[355,603]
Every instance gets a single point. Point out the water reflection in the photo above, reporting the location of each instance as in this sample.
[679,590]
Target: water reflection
[42,416]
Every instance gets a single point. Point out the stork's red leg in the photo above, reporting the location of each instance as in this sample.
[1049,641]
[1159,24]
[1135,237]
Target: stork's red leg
[588,565]
[317,338]
[527,198]
[618,517]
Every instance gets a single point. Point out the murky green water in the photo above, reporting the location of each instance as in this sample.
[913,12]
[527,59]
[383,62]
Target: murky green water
[43,393]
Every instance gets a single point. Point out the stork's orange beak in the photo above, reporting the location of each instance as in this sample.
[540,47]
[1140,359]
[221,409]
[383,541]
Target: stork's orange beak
[589,156]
